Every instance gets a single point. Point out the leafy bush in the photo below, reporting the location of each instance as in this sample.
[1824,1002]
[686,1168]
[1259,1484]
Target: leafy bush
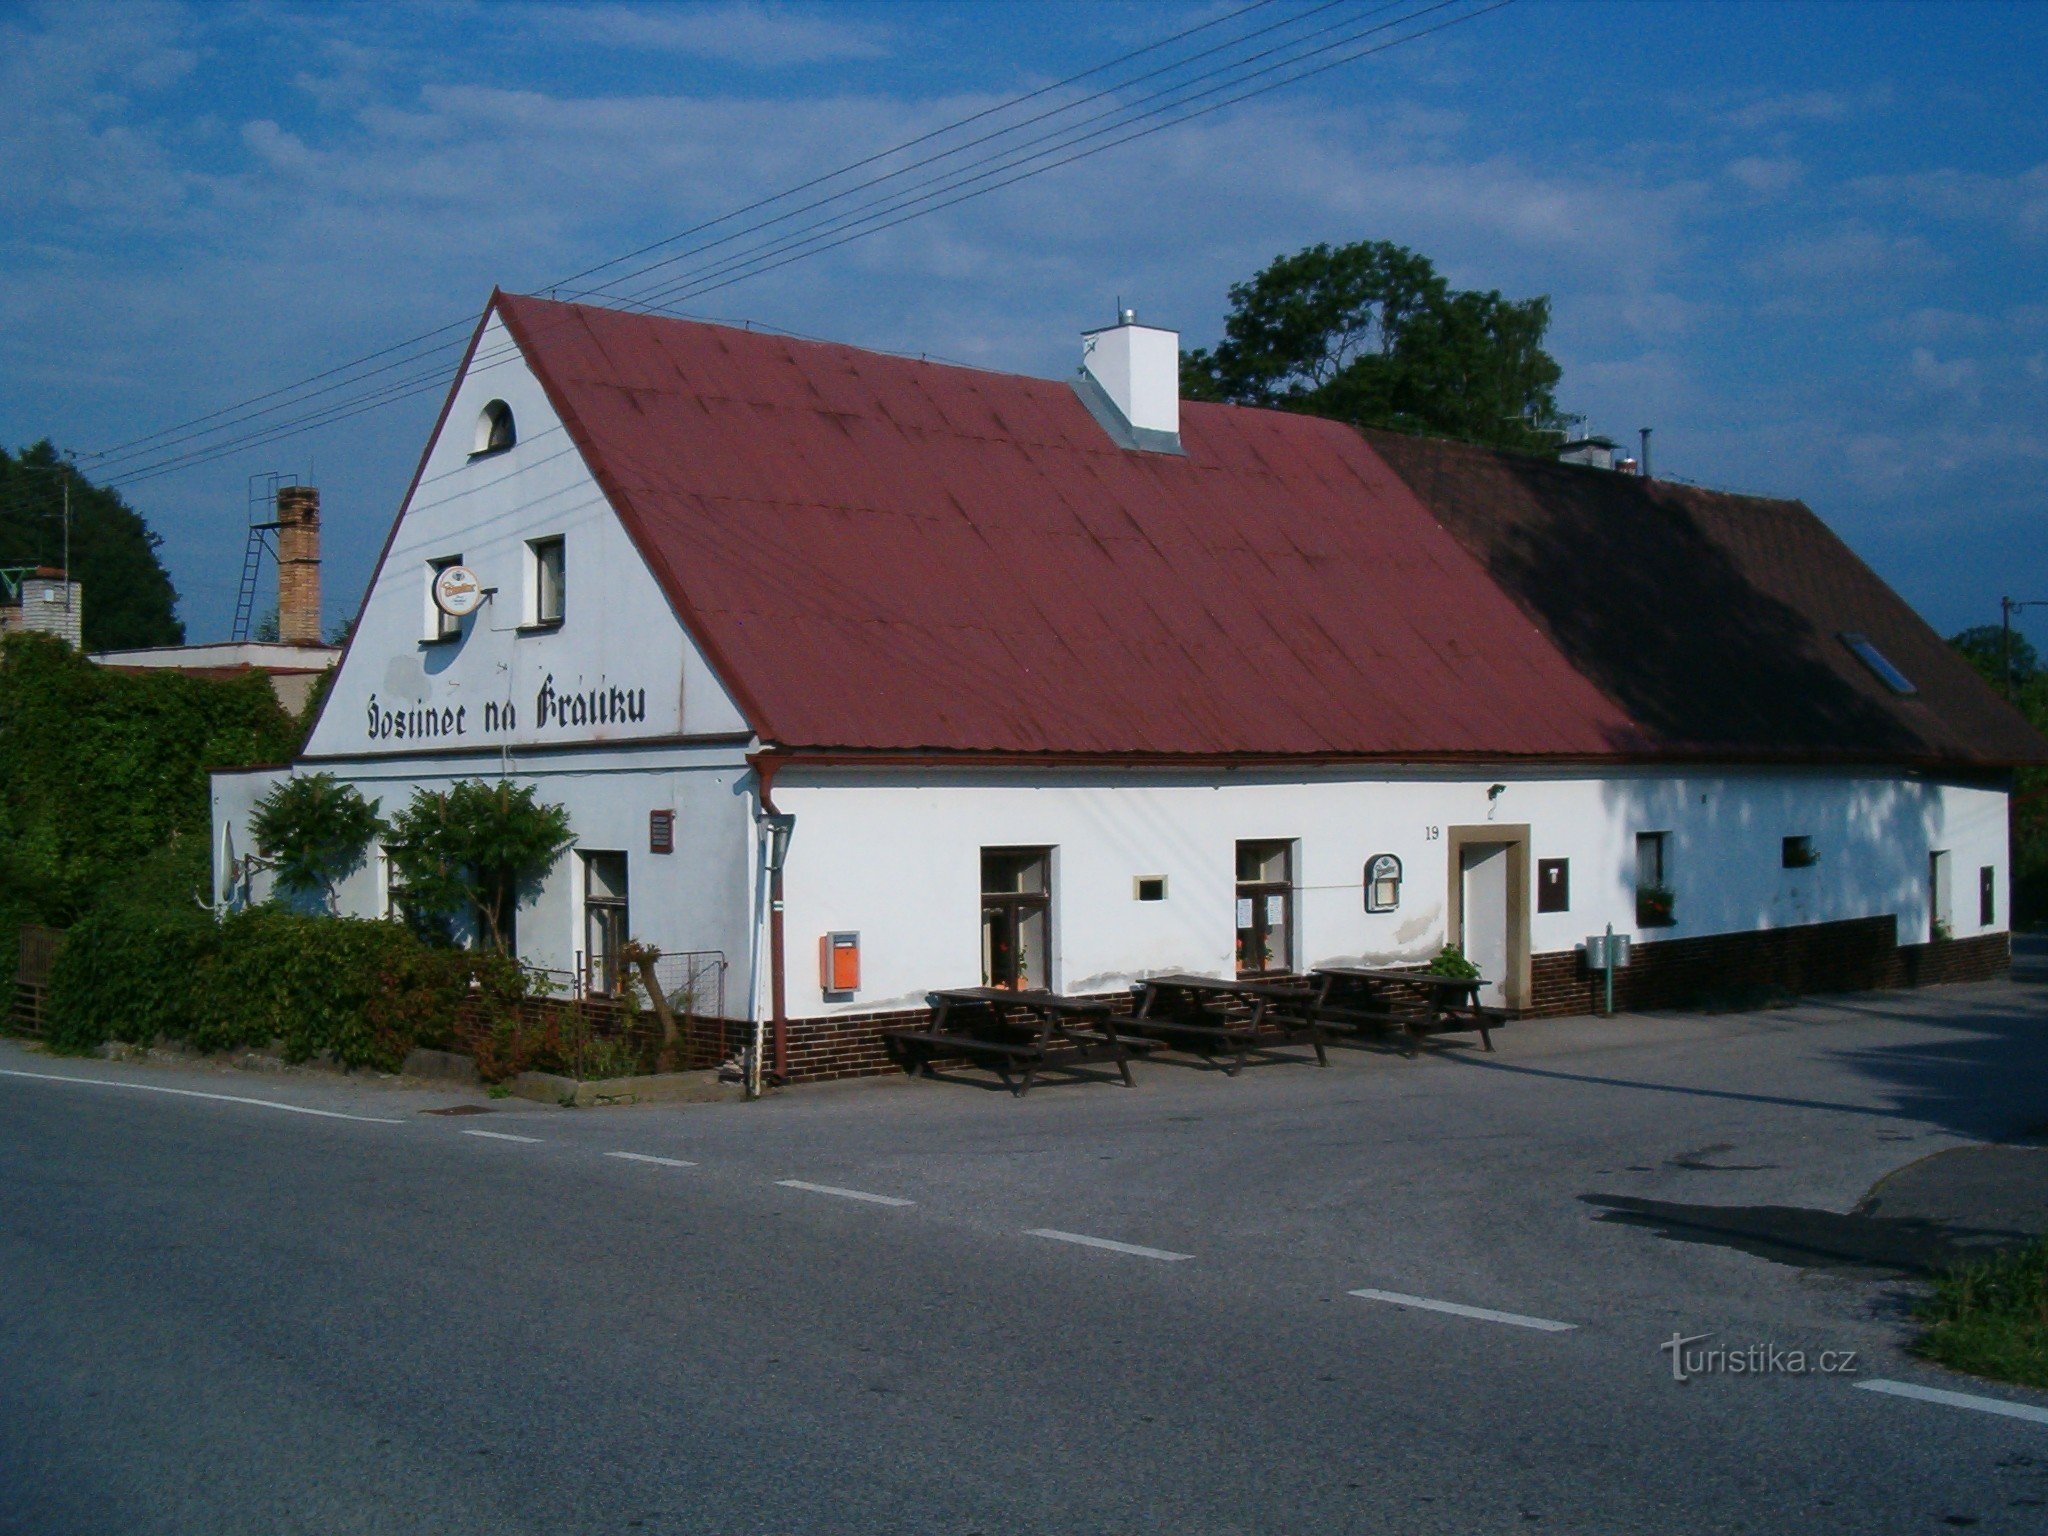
[99,770]
[362,993]
[1452,962]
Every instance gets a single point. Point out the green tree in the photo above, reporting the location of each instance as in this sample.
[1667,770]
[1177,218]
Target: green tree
[128,598]
[1369,333]
[314,829]
[1985,647]
[474,851]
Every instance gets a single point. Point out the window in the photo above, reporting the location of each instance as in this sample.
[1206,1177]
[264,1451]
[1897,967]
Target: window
[1265,908]
[1553,885]
[1653,880]
[1799,853]
[1016,918]
[1149,887]
[604,921]
[661,831]
[1987,896]
[547,577]
[1879,664]
[494,430]
[1382,883]
[441,626]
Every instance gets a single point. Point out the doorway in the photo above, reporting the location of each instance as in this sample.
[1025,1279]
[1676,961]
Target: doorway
[1489,908]
[605,927]
[1940,897]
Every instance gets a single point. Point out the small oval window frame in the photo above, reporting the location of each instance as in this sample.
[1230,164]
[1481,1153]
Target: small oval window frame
[1383,883]
[496,429]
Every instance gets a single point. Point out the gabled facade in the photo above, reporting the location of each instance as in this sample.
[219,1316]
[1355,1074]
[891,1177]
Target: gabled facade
[1058,703]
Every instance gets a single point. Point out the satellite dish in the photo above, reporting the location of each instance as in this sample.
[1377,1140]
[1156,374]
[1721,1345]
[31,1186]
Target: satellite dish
[457,592]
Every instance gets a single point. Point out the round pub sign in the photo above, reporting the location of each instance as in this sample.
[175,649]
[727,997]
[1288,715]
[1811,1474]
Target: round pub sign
[457,592]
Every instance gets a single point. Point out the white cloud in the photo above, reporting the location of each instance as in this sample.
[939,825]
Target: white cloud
[2018,202]
[1957,376]
[1764,174]
[760,36]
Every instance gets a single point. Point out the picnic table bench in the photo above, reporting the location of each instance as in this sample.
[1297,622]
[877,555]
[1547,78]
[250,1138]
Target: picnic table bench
[1369,997]
[1215,1016]
[1018,1032]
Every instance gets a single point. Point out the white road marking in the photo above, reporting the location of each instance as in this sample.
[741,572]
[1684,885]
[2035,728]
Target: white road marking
[1998,1405]
[194,1093]
[844,1194]
[502,1136]
[644,1157]
[1105,1242]
[1484,1314]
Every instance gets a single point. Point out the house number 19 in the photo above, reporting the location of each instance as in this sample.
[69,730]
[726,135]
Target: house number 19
[1431,834]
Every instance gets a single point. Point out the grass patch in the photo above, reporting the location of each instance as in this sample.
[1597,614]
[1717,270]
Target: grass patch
[1990,1317]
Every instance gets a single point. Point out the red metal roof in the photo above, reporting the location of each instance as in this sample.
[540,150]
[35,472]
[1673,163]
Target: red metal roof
[881,554]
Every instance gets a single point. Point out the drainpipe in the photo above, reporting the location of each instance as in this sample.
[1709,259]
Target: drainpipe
[778,823]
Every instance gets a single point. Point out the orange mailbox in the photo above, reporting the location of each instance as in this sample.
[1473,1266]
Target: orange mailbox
[839,962]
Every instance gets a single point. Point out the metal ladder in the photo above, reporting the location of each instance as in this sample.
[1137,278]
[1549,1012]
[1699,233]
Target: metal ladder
[262,522]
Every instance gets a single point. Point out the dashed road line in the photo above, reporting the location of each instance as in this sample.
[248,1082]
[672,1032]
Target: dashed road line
[844,1194]
[194,1093]
[1134,1249]
[1458,1309]
[1968,1400]
[648,1157]
[502,1136]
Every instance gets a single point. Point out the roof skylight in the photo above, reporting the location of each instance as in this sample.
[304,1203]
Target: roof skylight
[1879,663]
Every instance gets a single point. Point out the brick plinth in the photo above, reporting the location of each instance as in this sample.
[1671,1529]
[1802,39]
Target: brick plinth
[1858,955]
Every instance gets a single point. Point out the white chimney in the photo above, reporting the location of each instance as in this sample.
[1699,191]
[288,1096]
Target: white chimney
[1137,367]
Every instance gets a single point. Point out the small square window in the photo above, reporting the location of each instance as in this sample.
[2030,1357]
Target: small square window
[1800,853]
[549,579]
[1149,887]
[1553,885]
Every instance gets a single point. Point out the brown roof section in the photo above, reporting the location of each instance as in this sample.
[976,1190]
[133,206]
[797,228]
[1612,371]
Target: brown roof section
[1714,620]
[885,555]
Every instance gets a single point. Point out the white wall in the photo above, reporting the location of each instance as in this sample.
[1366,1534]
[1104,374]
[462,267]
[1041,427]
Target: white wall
[895,856]
[618,631]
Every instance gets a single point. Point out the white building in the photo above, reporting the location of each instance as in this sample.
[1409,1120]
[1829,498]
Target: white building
[1067,682]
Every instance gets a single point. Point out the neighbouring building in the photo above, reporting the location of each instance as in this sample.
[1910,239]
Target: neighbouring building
[1062,683]
[295,661]
[42,602]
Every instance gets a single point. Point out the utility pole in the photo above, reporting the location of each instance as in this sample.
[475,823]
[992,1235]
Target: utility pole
[1645,431]
[2007,607]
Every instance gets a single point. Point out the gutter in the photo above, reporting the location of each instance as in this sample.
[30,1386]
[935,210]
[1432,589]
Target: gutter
[765,765]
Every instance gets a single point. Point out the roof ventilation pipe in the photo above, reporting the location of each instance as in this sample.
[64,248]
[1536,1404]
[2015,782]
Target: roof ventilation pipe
[1130,382]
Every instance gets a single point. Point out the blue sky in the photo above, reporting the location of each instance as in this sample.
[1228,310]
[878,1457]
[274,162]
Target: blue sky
[1807,243]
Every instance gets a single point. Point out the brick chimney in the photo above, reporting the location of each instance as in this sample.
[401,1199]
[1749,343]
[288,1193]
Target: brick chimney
[298,565]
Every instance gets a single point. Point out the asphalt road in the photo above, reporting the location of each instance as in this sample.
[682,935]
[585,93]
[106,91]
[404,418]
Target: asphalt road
[221,1316]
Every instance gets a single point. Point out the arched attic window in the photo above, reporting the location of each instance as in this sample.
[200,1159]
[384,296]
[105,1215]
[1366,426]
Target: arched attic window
[494,430]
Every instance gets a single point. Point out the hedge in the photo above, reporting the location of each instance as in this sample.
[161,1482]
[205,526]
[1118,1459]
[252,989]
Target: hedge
[362,993]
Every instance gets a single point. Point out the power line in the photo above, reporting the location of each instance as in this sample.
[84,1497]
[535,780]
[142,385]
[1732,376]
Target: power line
[464,323]
[799,245]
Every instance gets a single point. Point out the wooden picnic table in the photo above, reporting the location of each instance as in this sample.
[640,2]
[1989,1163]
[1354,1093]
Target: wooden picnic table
[1364,996]
[1214,1015]
[1013,1031]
